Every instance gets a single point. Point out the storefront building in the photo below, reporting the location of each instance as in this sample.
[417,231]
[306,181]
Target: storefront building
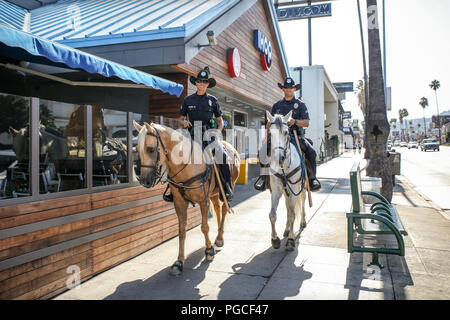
[68,195]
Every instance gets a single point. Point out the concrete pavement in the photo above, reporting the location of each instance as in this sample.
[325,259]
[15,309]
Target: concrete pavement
[248,268]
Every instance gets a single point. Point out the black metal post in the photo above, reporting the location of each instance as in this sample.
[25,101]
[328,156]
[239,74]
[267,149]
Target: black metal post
[309,38]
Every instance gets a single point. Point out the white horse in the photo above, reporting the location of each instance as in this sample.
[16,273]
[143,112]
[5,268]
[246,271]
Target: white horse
[287,172]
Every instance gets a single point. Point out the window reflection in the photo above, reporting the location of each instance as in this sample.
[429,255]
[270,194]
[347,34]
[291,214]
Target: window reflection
[62,164]
[109,144]
[15,165]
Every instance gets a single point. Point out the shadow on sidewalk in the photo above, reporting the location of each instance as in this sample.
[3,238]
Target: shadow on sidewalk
[266,264]
[163,286]
[394,277]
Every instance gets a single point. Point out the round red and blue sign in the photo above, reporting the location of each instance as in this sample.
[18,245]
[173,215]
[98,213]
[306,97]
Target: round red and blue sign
[234,62]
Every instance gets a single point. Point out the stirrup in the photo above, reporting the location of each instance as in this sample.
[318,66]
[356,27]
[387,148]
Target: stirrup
[260,184]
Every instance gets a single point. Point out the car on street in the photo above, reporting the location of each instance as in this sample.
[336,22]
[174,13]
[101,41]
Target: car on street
[413,144]
[403,144]
[396,143]
[429,144]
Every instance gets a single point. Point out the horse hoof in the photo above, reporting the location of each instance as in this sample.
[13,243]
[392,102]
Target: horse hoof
[177,268]
[276,243]
[290,244]
[218,243]
[209,254]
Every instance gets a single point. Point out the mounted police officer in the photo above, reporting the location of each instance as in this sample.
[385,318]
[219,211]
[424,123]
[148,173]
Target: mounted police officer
[203,108]
[300,120]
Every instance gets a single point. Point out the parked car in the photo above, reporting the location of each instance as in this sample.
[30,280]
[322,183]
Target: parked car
[403,144]
[396,143]
[429,144]
[413,144]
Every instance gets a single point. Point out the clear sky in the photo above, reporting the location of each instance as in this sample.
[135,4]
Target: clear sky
[417,50]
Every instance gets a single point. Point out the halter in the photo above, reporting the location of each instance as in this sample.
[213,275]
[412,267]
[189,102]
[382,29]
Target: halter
[286,178]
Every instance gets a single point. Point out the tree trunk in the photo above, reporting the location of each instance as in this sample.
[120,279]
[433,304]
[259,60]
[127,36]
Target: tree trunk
[377,123]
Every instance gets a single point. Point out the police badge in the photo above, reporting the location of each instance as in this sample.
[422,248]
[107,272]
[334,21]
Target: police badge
[296,106]
[210,103]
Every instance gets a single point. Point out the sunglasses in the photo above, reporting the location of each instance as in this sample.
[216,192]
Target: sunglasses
[202,81]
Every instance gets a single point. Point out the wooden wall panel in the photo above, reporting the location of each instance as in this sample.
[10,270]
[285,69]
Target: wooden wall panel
[164,104]
[46,276]
[253,83]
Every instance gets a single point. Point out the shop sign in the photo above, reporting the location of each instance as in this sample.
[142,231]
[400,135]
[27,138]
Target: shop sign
[302,12]
[347,115]
[264,46]
[343,86]
[234,62]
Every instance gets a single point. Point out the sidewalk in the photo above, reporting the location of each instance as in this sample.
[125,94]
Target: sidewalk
[248,268]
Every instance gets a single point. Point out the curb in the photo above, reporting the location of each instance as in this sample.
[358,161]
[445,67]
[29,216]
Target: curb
[431,202]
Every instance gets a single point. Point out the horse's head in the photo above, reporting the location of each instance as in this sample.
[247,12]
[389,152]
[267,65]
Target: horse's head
[280,139]
[151,159]
[21,143]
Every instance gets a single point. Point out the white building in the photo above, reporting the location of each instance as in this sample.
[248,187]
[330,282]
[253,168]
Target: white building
[322,101]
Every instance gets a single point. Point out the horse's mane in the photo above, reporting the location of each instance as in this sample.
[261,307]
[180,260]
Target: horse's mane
[163,130]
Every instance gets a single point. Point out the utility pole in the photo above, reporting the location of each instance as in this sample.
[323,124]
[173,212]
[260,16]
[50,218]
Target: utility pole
[384,52]
[309,38]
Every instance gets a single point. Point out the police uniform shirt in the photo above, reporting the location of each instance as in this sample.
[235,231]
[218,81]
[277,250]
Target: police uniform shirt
[200,108]
[299,110]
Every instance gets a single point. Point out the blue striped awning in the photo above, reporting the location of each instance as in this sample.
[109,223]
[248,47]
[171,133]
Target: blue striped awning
[22,46]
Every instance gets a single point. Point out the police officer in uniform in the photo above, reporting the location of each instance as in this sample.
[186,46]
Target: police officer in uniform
[203,108]
[300,120]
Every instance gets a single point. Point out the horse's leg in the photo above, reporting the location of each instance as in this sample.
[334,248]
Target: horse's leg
[209,251]
[286,230]
[301,205]
[291,204]
[275,197]
[181,206]
[216,203]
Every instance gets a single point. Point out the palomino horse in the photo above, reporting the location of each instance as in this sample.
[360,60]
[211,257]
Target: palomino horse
[287,177]
[167,154]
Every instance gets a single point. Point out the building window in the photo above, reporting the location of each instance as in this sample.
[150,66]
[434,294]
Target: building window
[15,164]
[62,136]
[109,146]
[240,119]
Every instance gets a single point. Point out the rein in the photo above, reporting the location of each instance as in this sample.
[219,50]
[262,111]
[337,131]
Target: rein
[182,186]
[286,178]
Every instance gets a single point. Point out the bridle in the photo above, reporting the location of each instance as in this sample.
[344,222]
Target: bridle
[286,147]
[157,167]
[286,178]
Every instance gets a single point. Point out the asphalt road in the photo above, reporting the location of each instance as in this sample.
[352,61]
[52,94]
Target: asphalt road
[429,172]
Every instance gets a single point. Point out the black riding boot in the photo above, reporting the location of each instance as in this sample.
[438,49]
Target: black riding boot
[225,177]
[314,184]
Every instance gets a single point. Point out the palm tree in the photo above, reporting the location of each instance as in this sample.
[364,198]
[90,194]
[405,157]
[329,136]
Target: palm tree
[424,103]
[376,120]
[435,84]
[402,114]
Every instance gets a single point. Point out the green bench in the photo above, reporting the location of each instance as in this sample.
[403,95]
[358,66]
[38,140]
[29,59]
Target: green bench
[380,217]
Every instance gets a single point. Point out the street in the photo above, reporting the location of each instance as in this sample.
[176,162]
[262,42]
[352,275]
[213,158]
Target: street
[429,172]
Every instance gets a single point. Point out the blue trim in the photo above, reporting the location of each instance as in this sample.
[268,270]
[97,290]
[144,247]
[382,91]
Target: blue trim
[129,37]
[25,46]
